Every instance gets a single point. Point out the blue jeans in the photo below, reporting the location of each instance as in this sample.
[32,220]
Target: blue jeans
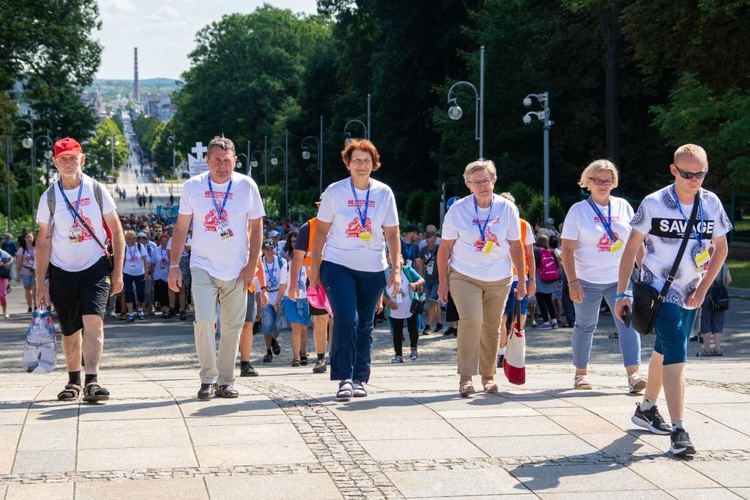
[353,296]
[673,326]
[587,316]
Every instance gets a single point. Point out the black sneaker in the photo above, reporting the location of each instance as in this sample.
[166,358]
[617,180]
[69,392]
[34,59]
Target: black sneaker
[320,366]
[438,328]
[426,330]
[680,443]
[268,358]
[651,419]
[275,347]
[450,331]
[248,371]
[500,358]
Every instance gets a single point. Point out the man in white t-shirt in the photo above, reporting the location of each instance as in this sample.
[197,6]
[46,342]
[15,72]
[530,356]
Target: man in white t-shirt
[227,211]
[69,245]
[660,223]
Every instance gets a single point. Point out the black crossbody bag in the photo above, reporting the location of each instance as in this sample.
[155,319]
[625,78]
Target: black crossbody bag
[646,300]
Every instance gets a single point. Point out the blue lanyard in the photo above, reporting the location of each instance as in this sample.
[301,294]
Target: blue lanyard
[73,211]
[607,223]
[300,281]
[408,251]
[132,254]
[362,217]
[273,266]
[219,211]
[481,227]
[695,233]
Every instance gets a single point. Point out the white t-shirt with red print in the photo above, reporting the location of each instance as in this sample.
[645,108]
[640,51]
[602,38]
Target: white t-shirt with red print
[221,257]
[462,223]
[134,259]
[73,247]
[595,262]
[343,209]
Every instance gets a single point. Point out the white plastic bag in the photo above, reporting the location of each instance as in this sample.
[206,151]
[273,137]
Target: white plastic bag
[40,351]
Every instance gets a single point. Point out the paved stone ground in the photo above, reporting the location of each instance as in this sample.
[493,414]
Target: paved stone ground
[412,437]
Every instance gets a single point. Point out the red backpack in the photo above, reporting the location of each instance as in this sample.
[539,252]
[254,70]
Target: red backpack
[548,270]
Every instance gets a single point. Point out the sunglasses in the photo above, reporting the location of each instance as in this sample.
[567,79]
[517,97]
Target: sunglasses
[690,175]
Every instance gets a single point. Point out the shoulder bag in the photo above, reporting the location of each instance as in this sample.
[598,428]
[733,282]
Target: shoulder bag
[646,300]
[514,362]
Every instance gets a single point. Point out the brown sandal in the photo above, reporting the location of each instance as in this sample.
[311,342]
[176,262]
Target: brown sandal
[489,385]
[466,388]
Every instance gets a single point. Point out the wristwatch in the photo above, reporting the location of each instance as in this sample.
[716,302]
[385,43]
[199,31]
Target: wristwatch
[173,266]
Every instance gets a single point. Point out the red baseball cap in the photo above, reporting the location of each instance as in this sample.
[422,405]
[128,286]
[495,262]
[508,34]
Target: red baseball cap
[67,146]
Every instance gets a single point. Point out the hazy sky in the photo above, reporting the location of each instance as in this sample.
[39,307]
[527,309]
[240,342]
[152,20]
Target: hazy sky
[164,32]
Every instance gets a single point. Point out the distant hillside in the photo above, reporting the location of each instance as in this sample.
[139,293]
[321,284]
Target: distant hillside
[111,89]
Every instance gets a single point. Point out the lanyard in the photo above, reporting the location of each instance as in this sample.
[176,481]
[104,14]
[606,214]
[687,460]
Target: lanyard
[163,254]
[481,227]
[362,217]
[73,211]
[132,253]
[408,250]
[300,281]
[273,266]
[607,223]
[695,233]
[219,211]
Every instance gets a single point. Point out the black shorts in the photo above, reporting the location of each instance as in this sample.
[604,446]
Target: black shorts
[161,293]
[76,294]
[314,311]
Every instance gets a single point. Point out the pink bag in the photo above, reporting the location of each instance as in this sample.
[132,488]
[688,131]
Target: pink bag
[514,362]
[318,299]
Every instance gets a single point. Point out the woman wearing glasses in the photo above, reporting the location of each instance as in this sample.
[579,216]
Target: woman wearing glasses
[356,218]
[481,235]
[593,238]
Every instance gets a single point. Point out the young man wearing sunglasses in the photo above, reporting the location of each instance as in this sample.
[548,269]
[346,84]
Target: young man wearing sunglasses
[660,223]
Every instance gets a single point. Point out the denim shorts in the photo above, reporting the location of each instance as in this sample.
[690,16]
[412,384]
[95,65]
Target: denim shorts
[296,311]
[29,281]
[430,290]
[268,320]
[673,326]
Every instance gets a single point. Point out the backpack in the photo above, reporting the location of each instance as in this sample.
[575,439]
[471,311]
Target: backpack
[548,270]
[718,295]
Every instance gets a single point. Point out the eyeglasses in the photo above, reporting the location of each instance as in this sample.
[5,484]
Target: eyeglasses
[690,175]
[601,182]
[482,183]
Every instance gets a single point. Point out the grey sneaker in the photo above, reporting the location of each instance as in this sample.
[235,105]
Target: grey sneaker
[414,355]
[320,366]
[651,419]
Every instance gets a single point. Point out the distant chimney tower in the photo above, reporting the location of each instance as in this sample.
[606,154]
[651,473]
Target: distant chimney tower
[136,91]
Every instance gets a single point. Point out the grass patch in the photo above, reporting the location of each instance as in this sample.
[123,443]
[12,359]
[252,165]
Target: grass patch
[740,271]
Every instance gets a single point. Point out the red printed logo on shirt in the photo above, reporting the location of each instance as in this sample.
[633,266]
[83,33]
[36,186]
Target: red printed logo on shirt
[605,244]
[84,235]
[354,229]
[211,221]
[488,236]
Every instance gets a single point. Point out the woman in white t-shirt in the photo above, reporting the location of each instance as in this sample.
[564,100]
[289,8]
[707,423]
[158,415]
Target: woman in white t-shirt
[357,216]
[134,272]
[481,235]
[593,238]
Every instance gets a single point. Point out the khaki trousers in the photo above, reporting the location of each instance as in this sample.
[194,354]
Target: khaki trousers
[480,306]
[233,299]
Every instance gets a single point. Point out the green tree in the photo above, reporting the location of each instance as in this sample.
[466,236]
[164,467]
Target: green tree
[102,156]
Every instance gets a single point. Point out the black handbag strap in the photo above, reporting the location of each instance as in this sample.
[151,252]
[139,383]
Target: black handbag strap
[86,226]
[683,245]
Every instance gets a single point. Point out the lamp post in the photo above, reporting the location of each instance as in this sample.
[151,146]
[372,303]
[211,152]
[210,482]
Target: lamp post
[47,152]
[349,134]
[306,154]
[543,116]
[28,143]
[369,129]
[171,140]
[238,165]
[8,160]
[275,161]
[112,142]
[455,112]
[254,164]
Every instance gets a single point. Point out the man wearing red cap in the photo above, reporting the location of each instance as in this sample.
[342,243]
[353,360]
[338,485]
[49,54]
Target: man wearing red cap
[72,246]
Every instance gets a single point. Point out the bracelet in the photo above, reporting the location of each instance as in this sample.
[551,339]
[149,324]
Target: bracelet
[572,282]
[173,266]
[624,295]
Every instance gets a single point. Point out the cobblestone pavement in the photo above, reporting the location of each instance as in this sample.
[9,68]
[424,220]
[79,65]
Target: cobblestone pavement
[412,437]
